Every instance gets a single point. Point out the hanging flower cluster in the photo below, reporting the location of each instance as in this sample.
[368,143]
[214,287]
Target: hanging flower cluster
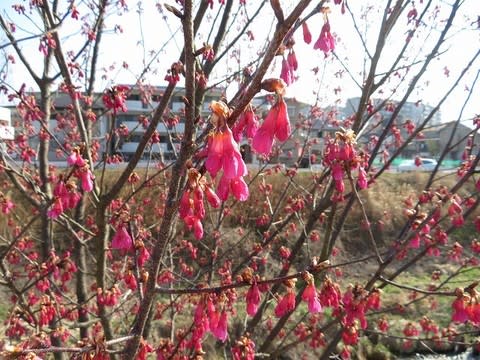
[341,157]
[223,154]
[277,123]
[289,63]
[192,208]
[210,316]
[325,41]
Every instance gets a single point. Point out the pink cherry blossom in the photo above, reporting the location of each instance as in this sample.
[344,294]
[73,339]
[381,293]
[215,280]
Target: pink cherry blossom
[55,209]
[122,239]
[75,159]
[236,186]
[220,330]
[310,296]
[253,299]
[286,74]
[87,179]
[286,304]
[248,123]
[276,125]
[362,178]
[224,153]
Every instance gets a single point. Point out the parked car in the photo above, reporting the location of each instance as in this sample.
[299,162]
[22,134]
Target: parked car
[424,164]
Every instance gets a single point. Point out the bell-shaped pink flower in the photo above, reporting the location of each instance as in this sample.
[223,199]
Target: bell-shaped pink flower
[310,296]
[186,205]
[199,207]
[459,313]
[362,181]
[276,124]
[325,42]
[286,304]
[337,171]
[55,209]
[122,239]
[247,123]
[292,60]
[239,189]
[286,74]
[220,331]
[212,198]
[237,186]
[87,179]
[201,322]
[253,299]
[197,228]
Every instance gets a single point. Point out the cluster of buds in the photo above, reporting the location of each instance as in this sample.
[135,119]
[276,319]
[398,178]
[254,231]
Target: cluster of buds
[108,297]
[410,330]
[244,349]
[47,43]
[341,157]
[28,108]
[173,74]
[207,52]
[192,208]
[47,311]
[428,326]
[466,307]
[115,98]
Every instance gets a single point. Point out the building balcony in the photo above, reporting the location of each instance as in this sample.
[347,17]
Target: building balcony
[136,127]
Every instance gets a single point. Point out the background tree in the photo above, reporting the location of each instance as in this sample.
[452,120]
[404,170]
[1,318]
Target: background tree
[119,263]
